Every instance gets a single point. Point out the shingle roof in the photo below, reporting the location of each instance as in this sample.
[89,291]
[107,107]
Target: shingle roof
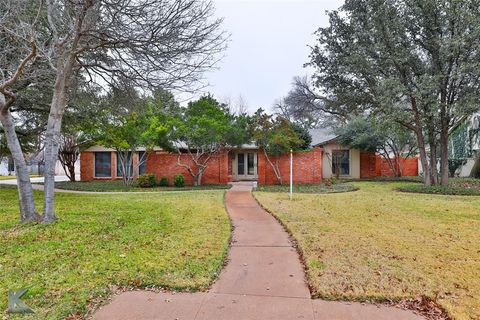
[321,136]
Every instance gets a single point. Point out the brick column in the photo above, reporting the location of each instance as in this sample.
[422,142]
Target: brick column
[317,168]
[86,166]
[135,165]
[223,167]
[113,161]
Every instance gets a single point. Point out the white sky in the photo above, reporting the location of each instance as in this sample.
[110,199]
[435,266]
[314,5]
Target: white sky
[268,47]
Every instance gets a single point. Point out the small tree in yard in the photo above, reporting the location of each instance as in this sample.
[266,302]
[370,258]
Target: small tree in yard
[275,136]
[127,135]
[389,139]
[201,131]
[68,153]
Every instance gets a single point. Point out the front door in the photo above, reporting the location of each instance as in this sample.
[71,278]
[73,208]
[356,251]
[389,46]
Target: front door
[246,165]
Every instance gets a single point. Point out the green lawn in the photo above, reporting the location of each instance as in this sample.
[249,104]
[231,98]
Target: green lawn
[379,244]
[309,188]
[118,186]
[172,240]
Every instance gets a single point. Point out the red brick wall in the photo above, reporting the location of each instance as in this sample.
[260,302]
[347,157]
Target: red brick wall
[409,167]
[87,166]
[372,165]
[367,165]
[164,164]
[307,167]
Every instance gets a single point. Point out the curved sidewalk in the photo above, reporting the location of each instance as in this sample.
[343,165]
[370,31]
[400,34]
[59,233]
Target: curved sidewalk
[264,279]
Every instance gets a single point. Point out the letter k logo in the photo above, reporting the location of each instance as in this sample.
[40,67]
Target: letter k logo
[15,305]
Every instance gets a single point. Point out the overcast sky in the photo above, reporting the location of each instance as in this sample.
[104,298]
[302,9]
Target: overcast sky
[268,47]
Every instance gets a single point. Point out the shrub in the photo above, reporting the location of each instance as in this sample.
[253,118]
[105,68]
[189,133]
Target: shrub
[179,180]
[163,182]
[147,180]
[438,189]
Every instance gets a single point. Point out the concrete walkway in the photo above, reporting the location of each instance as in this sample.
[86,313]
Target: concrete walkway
[264,279]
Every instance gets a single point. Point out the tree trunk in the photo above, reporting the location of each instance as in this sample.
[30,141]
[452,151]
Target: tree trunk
[275,168]
[433,156]
[52,142]
[421,142]
[68,164]
[423,157]
[54,125]
[278,173]
[444,152]
[28,212]
[71,170]
[387,158]
[198,181]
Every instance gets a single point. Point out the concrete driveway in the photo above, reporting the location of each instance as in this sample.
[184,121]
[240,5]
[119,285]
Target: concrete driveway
[13,182]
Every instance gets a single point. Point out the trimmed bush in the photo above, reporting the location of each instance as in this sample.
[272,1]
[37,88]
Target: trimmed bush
[446,190]
[179,181]
[147,180]
[163,182]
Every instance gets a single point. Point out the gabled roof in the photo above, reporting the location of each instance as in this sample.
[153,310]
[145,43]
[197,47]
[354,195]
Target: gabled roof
[322,136]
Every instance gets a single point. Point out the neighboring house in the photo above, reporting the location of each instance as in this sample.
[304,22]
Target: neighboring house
[248,163]
[35,166]
[6,167]
[464,148]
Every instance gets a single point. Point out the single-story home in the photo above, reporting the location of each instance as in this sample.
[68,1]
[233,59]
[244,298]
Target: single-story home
[249,163]
[35,166]
[6,167]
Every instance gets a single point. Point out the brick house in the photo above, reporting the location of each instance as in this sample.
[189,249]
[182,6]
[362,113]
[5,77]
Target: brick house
[249,163]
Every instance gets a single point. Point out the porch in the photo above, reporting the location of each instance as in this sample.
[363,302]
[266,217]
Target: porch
[243,164]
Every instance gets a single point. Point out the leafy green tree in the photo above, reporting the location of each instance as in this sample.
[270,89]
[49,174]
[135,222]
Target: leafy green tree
[128,135]
[416,62]
[202,130]
[303,134]
[274,136]
[389,139]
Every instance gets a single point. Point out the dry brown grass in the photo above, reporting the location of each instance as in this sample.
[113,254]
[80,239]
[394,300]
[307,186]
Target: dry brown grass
[379,244]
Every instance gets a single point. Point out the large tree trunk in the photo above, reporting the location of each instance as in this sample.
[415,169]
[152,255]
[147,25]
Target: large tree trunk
[432,141]
[52,136]
[28,212]
[418,129]
[423,160]
[444,152]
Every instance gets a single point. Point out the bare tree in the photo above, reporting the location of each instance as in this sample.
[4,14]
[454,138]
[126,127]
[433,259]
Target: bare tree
[18,50]
[152,43]
[68,154]
[303,104]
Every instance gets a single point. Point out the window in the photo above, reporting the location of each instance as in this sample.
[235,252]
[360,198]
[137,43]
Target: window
[341,162]
[128,166]
[241,164]
[142,168]
[103,164]
[11,165]
[251,163]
